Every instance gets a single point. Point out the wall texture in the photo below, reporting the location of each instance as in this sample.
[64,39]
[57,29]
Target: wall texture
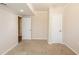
[40,25]
[8,30]
[71,27]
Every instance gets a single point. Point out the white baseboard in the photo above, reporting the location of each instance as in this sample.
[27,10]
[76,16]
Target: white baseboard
[50,42]
[55,42]
[9,49]
[26,39]
[39,38]
[71,48]
[36,39]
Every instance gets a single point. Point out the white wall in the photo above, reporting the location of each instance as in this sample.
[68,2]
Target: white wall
[8,30]
[40,25]
[55,24]
[71,27]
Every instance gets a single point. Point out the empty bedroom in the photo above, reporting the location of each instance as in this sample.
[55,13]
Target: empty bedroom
[39,28]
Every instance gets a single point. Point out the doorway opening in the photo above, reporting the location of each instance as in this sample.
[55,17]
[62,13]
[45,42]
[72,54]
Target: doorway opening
[19,29]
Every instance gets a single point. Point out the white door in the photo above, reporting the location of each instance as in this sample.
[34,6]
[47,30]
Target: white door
[26,28]
[57,28]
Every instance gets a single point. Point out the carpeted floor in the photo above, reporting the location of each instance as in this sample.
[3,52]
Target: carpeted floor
[40,47]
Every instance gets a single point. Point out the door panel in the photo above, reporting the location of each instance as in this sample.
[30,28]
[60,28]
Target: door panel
[57,28]
[26,28]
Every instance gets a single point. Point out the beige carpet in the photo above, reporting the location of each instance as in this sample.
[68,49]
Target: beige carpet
[40,47]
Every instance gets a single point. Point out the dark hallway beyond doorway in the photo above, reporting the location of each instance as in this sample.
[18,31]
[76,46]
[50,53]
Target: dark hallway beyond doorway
[19,29]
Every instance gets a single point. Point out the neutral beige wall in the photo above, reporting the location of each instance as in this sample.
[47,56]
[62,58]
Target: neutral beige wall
[40,25]
[71,27]
[8,30]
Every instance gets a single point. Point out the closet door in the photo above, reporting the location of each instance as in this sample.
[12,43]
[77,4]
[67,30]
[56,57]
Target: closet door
[26,28]
[55,27]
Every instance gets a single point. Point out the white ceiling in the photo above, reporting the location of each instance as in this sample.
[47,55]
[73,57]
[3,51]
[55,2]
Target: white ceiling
[16,7]
[28,8]
[45,6]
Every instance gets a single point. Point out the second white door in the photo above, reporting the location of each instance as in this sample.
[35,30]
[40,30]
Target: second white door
[26,28]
